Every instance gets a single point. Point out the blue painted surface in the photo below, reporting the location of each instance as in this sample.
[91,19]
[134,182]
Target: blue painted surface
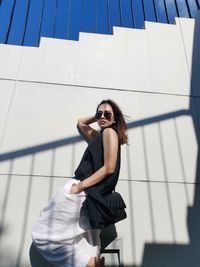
[161,11]
[32,33]
[49,17]
[88,17]
[23,22]
[138,13]
[6,11]
[19,22]
[150,14]
[193,7]
[75,13]
[182,8]
[102,17]
[114,14]
[62,19]
[172,11]
[126,13]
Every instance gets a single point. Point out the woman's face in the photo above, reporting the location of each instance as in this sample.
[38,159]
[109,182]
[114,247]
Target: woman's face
[105,116]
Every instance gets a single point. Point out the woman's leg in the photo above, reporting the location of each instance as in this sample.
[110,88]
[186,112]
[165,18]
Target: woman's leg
[96,262]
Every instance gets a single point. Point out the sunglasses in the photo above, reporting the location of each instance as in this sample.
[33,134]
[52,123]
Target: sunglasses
[107,115]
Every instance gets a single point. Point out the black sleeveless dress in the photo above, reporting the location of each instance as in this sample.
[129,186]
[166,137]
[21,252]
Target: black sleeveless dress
[94,207]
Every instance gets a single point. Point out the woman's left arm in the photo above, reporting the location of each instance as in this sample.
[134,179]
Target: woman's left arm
[110,146]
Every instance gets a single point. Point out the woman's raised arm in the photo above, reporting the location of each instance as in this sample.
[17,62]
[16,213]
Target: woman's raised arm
[83,126]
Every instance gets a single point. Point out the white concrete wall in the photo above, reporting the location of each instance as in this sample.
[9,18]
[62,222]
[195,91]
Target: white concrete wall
[42,93]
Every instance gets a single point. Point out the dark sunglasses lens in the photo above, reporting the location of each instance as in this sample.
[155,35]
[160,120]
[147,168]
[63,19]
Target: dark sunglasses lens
[98,115]
[107,115]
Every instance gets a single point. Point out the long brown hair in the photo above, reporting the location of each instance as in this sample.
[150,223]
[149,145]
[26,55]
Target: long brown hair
[120,124]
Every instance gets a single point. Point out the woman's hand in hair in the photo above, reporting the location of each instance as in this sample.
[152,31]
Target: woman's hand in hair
[84,126]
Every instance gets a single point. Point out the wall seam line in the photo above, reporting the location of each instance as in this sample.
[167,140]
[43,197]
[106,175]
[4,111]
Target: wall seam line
[101,88]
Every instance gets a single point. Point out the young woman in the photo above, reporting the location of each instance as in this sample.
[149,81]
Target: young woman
[67,231]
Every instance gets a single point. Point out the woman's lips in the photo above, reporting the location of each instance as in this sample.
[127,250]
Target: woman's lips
[102,122]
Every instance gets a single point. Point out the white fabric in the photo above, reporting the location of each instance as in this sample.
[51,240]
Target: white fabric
[61,235]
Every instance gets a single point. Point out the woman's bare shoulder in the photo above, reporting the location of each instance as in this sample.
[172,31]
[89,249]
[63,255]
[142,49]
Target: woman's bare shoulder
[110,133]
